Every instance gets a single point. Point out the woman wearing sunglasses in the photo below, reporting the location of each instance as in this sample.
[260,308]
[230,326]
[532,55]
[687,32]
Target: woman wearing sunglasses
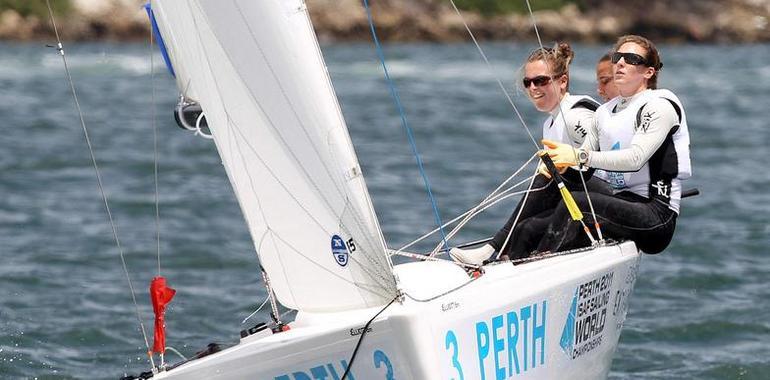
[641,141]
[546,81]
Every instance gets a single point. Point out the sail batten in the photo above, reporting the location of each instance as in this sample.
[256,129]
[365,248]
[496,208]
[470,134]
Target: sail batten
[258,74]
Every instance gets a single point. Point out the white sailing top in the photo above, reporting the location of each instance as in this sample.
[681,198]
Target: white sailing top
[643,145]
[570,120]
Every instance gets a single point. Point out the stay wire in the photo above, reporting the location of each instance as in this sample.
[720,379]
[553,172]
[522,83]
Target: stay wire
[60,48]
[492,196]
[472,213]
[499,82]
[155,145]
[410,136]
[564,119]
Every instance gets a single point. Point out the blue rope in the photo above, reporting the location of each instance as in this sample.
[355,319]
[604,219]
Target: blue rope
[409,134]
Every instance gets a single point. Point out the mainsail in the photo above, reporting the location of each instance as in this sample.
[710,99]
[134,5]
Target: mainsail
[257,71]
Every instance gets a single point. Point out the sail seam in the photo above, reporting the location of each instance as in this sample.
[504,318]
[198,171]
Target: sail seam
[354,283]
[341,119]
[329,172]
[355,216]
[379,279]
[318,223]
[229,127]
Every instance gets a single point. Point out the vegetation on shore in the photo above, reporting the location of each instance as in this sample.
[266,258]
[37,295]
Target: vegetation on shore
[433,20]
[35,8]
[502,7]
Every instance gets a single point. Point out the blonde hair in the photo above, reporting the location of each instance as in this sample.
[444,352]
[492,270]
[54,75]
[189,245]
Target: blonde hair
[558,58]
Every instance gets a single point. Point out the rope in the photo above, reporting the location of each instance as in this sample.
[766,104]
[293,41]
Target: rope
[363,333]
[516,220]
[564,119]
[488,202]
[408,130]
[60,48]
[471,213]
[174,350]
[256,311]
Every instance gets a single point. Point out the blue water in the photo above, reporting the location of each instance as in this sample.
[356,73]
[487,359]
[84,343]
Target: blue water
[700,310]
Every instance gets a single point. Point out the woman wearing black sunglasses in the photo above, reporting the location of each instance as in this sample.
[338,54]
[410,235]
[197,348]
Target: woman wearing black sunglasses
[546,81]
[641,142]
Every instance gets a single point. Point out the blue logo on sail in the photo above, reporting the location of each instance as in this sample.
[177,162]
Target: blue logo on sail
[339,250]
[568,334]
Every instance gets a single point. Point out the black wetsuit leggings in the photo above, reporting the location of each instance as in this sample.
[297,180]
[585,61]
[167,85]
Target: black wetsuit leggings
[545,223]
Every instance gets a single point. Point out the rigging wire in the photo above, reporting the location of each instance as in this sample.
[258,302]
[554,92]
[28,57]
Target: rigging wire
[410,136]
[499,82]
[502,88]
[60,49]
[564,119]
[516,220]
[493,198]
[473,213]
[155,146]
[492,201]
[267,299]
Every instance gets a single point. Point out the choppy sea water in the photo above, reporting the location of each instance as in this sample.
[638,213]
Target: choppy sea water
[700,309]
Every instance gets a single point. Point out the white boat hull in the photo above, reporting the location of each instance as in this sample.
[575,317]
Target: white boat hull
[557,318]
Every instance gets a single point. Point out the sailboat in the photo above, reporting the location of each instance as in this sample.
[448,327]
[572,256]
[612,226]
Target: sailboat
[255,71]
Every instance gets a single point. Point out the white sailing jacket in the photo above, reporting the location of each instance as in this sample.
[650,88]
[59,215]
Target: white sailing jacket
[660,177]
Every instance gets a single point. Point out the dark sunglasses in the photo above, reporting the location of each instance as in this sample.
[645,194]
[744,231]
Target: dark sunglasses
[630,58]
[539,81]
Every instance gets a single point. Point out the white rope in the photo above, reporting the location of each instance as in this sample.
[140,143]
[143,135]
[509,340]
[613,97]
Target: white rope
[493,193]
[60,48]
[516,220]
[267,299]
[199,131]
[564,119]
[174,350]
[493,201]
[488,202]
[453,220]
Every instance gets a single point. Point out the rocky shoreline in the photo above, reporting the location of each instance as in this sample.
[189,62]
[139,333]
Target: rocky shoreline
[742,21]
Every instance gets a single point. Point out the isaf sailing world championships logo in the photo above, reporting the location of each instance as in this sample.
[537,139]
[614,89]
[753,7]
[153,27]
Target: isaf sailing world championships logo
[341,249]
[584,328]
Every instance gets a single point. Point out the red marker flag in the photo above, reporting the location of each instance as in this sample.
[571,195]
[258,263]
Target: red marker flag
[160,295]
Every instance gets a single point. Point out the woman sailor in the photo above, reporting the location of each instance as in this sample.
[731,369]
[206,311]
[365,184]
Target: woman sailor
[643,145]
[546,81]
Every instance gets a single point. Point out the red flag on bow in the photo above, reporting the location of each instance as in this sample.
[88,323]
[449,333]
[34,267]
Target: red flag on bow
[160,295]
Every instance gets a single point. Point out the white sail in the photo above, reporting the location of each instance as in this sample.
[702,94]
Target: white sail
[257,72]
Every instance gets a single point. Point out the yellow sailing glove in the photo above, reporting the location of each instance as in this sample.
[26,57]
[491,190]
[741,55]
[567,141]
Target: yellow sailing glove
[563,155]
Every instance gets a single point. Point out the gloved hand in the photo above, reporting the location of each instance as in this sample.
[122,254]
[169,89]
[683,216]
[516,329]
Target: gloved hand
[541,169]
[563,155]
